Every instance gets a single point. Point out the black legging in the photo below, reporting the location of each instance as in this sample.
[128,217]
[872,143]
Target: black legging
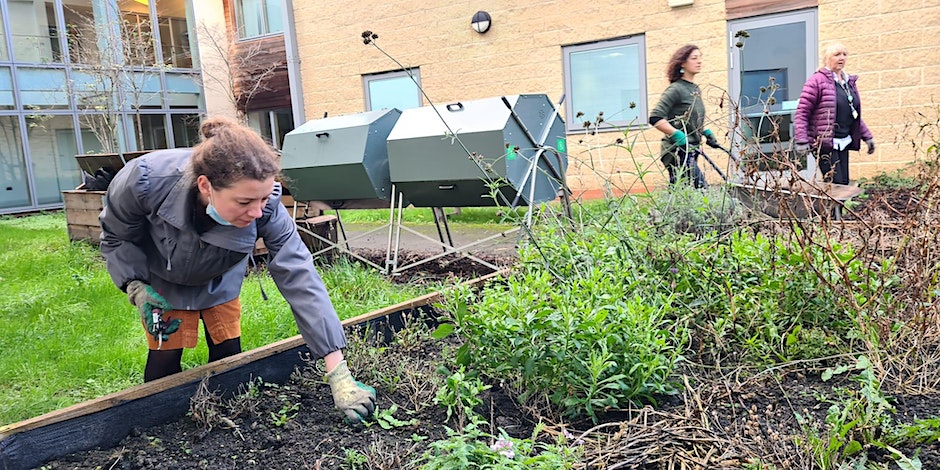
[168,362]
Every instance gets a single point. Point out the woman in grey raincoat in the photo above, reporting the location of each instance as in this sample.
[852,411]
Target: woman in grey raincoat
[178,228]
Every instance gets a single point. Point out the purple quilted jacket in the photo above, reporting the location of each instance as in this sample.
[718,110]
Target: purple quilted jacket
[815,115]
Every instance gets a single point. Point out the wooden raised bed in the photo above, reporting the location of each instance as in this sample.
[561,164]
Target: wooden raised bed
[105,421]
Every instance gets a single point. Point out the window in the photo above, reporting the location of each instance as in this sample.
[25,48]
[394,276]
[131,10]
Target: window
[392,90]
[258,17]
[608,77]
[272,125]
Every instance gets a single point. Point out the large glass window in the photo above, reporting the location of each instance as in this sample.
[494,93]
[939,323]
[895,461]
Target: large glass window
[608,77]
[42,88]
[135,33]
[81,34]
[34,31]
[14,184]
[52,150]
[142,90]
[175,32]
[258,17]
[775,60]
[182,90]
[150,130]
[185,130]
[393,90]
[3,44]
[272,125]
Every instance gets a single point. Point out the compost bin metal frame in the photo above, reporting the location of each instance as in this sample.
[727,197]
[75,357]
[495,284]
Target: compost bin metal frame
[103,422]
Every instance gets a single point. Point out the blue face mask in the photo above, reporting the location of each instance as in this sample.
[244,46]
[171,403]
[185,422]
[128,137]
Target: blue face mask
[214,214]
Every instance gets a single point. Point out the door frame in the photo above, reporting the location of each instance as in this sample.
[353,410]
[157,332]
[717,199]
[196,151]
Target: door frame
[810,18]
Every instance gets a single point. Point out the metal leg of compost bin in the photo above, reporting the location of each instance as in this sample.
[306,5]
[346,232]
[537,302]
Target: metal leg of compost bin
[448,250]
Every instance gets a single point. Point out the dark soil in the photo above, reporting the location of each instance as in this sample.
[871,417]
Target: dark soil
[719,421]
[884,204]
[294,425]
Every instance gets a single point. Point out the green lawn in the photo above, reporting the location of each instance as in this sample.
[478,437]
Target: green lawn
[69,335]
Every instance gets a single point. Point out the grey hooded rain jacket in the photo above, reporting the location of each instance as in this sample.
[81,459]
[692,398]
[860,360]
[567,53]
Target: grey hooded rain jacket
[148,234]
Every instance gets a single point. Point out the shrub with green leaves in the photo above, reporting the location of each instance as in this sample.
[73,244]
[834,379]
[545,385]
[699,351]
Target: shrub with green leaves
[474,448]
[589,342]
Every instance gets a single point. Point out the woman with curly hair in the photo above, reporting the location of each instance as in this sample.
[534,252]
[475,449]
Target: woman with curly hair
[680,116]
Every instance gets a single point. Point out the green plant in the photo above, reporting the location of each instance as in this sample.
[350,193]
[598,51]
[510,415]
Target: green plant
[354,460]
[899,179]
[474,448]
[286,413]
[853,423]
[459,395]
[386,419]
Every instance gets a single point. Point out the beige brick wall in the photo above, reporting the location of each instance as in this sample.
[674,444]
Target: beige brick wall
[894,49]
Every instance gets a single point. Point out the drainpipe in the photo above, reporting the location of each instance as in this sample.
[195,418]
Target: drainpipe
[293,64]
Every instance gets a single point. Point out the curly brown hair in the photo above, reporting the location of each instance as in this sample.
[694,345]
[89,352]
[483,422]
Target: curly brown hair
[230,152]
[678,58]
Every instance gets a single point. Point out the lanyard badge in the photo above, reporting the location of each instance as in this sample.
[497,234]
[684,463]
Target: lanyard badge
[848,93]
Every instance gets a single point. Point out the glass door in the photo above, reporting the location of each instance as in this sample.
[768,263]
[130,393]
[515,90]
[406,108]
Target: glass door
[771,57]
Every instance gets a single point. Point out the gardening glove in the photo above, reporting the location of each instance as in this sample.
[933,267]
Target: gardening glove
[151,306]
[678,137]
[710,139]
[355,399]
[871,146]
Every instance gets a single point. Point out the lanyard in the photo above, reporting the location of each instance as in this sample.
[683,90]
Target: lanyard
[848,93]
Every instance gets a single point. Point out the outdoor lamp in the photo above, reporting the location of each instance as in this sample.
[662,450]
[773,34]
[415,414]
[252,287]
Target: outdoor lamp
[481,22]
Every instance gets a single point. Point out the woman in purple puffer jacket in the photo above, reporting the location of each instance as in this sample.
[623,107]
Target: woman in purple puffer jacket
[828,119]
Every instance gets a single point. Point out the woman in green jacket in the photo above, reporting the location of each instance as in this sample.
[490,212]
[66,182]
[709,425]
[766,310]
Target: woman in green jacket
[680,116]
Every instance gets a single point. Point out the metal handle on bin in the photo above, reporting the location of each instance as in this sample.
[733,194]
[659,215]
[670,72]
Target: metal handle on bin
[446,187]
[458,106]
[322,134]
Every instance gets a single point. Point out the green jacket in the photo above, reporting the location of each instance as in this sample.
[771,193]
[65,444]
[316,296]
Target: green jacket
[681,104]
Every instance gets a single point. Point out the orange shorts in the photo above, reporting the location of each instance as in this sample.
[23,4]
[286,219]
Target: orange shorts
[222,321]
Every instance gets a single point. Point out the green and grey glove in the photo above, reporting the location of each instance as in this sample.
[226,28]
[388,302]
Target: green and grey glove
[151,306]
[355,399]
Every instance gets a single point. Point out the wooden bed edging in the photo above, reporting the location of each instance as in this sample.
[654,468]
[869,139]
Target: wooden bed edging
[103,422]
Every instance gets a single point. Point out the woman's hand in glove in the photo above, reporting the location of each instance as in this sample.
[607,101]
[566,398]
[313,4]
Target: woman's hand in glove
[355,399]
[148,302]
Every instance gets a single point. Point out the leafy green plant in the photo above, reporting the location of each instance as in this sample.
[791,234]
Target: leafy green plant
[474,448]
[459,395]
[853,423]
[354,460]
[284,414]
[386,419]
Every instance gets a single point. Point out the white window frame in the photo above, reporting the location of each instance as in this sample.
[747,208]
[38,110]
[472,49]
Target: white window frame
[574,123]
[374,77]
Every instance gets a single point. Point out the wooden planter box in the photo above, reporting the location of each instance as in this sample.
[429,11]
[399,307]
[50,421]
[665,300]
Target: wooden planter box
[81,214]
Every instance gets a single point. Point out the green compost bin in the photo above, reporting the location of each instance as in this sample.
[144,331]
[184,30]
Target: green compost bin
[340,160]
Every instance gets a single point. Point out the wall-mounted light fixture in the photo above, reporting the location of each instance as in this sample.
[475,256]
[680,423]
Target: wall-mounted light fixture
[481,22]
